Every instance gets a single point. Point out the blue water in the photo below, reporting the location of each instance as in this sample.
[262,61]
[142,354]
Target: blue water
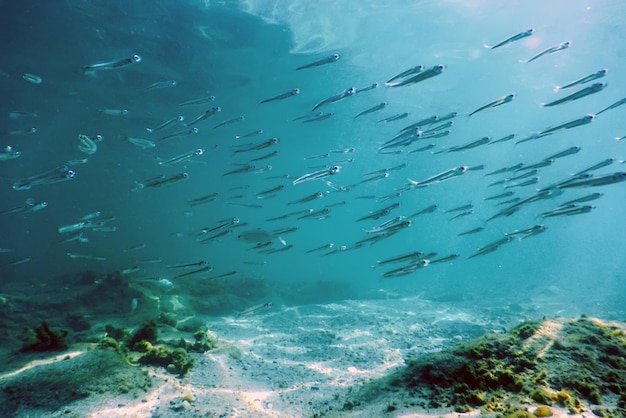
[244,52]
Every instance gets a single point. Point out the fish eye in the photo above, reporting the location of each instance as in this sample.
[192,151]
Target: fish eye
[319,194]
[235,220]
[241,118]
[296,91]
[194,130]
[352,90]
[180,118]
[97,138]
[184,175]
[70,174]
[136,58]
[441,67]
[199,151]
[274,140]
[336,57]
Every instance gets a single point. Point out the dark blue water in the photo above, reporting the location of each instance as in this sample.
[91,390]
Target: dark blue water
[245,52]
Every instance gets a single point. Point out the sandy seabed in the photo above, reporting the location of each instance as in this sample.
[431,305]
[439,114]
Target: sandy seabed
[303,361]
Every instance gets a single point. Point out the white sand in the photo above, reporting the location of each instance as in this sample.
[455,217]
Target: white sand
[300,361]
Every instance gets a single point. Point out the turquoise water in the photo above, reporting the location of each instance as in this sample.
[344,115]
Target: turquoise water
[245,52]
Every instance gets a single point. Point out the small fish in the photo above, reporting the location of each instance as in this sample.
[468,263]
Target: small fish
[114,112]
[181,158]
[201,263]
[32,78]
[500,101]
[178,134]
[321,248]
[551,50]
[230,121]
[141,143]
[319,118]
[368,88]
[18,114]
[112,65]
[415,70]
[567,125]
[376,108]
[586,79]
[471,231]
[527,232]
[201,100]
[86,144]
[594,88]
[208,113]
[19,261]
[601,164]
[568,211]
[415,255]
[255,309]
[265,156]
[570,151]
[421,76]
[323,61]
[534,180]
[9,153]
[503,139]
[283,96]
[395,117]
[258,146]
[473,144]
[161,181]
[203,269]
[86,256]
[596,181]
[161,85]
[273,190]
[337,97]
[513,38]
[491,247]
[26,131]
[587,198]
[250,134]
[167,123]
[613,106]
[465,213]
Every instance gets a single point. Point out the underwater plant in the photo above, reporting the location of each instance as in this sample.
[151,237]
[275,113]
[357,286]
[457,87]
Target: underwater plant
[42,338]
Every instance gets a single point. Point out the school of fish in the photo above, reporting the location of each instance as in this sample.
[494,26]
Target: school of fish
[516,188]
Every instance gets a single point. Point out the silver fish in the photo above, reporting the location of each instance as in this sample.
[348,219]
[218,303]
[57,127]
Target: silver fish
[500,101]
[421,76]
[594,88]
[513,38]
[586,79]
[551,50]
[323,61]
[113,65]
[283,96]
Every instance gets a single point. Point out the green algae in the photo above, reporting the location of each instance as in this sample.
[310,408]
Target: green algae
[42,338]
[571,364]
